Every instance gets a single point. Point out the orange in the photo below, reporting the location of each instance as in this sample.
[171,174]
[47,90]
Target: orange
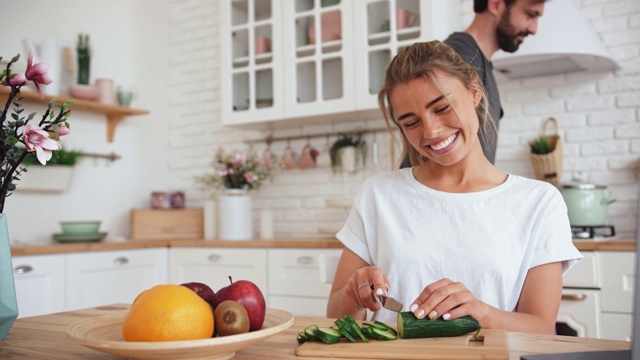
[168,313]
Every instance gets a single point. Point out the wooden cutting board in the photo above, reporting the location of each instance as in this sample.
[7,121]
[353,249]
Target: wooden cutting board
[493,346]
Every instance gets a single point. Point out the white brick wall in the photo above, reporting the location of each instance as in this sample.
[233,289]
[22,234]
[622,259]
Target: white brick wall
[599,119]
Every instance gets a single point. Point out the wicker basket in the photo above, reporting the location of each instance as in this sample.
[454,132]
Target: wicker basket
[548,167]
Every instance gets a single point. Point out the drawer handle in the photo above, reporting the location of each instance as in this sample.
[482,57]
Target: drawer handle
[214,258]
[305,260]
[121,261]
[574,297]
[23,269]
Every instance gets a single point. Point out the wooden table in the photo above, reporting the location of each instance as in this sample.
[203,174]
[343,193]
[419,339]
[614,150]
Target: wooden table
[43,337]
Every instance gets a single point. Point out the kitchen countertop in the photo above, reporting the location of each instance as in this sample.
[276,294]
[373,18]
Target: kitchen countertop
[617,244]
[43,337]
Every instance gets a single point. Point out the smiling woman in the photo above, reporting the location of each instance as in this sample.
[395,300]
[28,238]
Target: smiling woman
[415,233]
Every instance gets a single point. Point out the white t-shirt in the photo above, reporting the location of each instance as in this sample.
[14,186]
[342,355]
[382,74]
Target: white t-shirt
[487,240]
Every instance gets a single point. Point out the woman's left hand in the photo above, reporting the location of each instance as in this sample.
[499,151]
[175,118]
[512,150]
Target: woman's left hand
[448,299]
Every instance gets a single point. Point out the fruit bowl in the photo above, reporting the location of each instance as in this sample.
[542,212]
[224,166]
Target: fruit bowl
[105,334]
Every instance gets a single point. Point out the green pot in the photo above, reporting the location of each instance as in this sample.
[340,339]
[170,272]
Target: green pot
[587,204]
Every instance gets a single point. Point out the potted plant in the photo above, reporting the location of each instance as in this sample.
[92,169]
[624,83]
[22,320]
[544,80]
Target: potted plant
[348,152]
[55,177]
[546,154]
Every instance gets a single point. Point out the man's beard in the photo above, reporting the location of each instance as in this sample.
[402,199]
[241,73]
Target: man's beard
[506,33]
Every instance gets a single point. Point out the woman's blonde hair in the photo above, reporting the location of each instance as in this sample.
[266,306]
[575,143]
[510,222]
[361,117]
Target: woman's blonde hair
[425,60]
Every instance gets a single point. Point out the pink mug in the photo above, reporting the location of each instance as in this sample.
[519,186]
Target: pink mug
[405,18]
[263,45]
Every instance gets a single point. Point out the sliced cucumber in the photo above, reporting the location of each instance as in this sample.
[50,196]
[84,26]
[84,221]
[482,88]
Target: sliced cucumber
[355,327]
[328,335]
[387,327]
[380,334]
[310,331]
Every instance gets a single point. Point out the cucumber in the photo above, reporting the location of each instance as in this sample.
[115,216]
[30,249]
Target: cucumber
[410,327]
[387,327]
[328,335]
[378,333]
[310,331]
[355,327]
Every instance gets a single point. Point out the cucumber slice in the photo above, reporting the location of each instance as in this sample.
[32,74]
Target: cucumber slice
[380,334]
[355,327]
[310,331]
[387,327]
[328,335]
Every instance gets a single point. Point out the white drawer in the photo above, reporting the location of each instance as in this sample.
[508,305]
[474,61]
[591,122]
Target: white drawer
[296,272]
[617,279]
[584,274]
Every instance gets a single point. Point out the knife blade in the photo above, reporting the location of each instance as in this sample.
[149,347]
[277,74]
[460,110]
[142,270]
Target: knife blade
[390,303]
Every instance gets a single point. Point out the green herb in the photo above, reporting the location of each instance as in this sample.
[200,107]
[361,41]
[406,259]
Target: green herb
[60,157]
[345,140]
[540,145]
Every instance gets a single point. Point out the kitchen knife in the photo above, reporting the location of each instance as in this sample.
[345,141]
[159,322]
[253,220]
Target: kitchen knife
[390,303]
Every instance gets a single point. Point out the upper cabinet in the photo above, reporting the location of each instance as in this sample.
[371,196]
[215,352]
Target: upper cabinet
[291,61]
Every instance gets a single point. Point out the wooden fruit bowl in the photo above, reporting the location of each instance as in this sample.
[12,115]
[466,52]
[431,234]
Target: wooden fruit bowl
[105,334]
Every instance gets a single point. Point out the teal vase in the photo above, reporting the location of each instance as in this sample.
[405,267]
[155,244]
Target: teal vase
[8,302]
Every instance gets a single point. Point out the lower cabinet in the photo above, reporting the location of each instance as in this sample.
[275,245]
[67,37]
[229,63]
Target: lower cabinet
[39,281]
[294,281]
[617,271]
[288,278]
[106,277]
[213,266]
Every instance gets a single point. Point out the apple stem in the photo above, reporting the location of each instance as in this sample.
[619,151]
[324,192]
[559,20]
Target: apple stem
[230,280]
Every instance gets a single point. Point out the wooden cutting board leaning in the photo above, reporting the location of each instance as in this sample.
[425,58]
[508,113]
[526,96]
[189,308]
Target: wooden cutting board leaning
[492,345]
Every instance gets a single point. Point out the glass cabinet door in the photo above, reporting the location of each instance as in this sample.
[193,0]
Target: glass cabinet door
[388,27]
[251,83]
[318,57]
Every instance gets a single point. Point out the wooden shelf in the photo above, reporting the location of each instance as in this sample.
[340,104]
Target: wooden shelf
[114,113]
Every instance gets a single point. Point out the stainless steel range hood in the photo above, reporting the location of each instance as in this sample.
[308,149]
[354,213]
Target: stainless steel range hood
[565,43]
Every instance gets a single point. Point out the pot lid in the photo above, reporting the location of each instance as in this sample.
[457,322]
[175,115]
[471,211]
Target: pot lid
[583,186]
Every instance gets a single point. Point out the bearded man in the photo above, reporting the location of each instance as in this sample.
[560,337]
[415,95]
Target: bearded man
[497,25]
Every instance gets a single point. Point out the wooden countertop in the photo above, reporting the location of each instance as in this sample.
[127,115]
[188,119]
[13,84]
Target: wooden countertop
[618,244]
[58,248]
[43,337]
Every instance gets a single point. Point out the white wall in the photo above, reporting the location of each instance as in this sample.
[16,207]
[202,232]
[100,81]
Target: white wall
[128,40]
[170,51]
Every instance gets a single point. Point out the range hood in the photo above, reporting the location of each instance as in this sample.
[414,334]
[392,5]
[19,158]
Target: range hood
[565,43]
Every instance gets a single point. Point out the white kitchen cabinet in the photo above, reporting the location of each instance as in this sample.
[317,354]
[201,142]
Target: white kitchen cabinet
[106,277]
[327,57]
[251,81]
[213,266]
[294,281]
[380,36]
[617,271]
[39,281]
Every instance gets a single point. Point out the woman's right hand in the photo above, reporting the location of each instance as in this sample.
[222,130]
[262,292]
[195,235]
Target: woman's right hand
[363,284]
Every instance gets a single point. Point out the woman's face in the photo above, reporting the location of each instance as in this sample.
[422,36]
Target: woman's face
[442,128]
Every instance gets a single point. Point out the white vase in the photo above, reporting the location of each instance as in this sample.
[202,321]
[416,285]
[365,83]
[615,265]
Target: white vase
[235,215]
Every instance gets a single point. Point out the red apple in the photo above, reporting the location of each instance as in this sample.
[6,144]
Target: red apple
[249,295]
[203,290]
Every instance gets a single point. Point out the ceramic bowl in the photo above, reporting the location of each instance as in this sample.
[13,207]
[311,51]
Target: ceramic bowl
[79,227]
[85,92]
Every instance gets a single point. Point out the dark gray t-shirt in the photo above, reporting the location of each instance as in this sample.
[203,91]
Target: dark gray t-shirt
[466,46]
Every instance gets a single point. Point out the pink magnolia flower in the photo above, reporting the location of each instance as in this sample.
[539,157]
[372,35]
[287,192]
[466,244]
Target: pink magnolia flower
[38,141]
[18,79]
[222,171]
[62,129]
[239,159]
[250,177]
[37,73]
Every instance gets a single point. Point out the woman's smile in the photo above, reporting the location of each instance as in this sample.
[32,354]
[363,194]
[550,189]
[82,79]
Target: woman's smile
[444,145]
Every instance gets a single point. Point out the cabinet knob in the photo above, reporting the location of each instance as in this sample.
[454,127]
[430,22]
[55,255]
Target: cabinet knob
[23,269]
[305,260]
[121,261]
[574,297]
[214,258]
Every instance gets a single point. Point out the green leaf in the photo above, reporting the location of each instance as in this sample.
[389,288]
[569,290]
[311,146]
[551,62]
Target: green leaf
[14,116]
[11,140]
